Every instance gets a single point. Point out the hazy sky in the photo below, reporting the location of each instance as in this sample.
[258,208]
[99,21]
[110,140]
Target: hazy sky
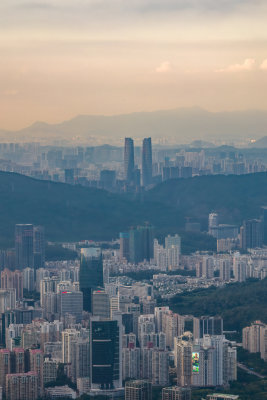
[60,58]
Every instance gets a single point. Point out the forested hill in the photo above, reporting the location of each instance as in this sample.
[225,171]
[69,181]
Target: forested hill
[238,303]
[72,213]
[234,197]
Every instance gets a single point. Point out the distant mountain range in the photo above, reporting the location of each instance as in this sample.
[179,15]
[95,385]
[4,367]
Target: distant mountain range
[181,125]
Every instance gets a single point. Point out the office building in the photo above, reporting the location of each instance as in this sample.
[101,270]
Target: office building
[141,244]
[91,274]
[251,234]
[147,162]
[100,304]
[24,246]
[129,160]
[176,393]
[28,279]
[207,326]
[124,245]
[106,353]
[70,302]
[138,390]
[39,246]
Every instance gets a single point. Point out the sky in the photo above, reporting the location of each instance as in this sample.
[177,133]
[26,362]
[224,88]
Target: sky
[62,58]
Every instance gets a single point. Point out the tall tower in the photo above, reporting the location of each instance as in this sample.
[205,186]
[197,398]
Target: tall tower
[24,246]
[106,353]
[39,246]
[91,274]
[147,162]
[129,160]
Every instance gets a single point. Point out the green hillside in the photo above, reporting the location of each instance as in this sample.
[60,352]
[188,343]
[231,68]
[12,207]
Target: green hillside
[71,213]
[239,303]
[234,197]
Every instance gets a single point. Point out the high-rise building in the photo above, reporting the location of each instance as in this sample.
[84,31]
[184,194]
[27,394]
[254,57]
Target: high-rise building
[91,274]
[5,366]
[147,162]
[22,386]
[138,390]
[106,353]
[12,280]
[141,244]
[251,234]
[213,221]
[129,160]
[225,270]
[100,304]
[183,359]
[36,365]
[176,393]
[70,302]
[49,370]
[207,326]
[28,279]
[39,246]
[124,245]
[264,221]
[131,362]
[24,246]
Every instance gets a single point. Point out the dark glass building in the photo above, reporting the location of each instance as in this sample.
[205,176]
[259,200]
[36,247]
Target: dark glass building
[39,246]
[129,160]
[141,244]
[24,246]
[91,274]
[105,353]
[251,234]
[147,162]
[207,326]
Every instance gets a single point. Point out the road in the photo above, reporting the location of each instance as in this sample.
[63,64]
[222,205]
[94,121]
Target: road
[249,371]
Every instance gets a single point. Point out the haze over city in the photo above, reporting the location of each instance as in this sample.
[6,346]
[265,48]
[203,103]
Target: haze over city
[60,59]
[133,200]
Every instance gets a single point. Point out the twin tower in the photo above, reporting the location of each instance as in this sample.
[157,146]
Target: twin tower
[132,174]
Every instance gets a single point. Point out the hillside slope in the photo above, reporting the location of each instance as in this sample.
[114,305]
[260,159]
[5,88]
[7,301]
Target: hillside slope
[234,197]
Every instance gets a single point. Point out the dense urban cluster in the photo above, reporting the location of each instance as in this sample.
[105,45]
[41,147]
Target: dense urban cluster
[128,169]
[89,325]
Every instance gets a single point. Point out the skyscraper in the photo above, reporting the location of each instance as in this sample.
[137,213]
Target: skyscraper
[39,246]
[91,274]
[129,160]
[147,162]
[24,246]
[141,242]
[106,353]
[251,234]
